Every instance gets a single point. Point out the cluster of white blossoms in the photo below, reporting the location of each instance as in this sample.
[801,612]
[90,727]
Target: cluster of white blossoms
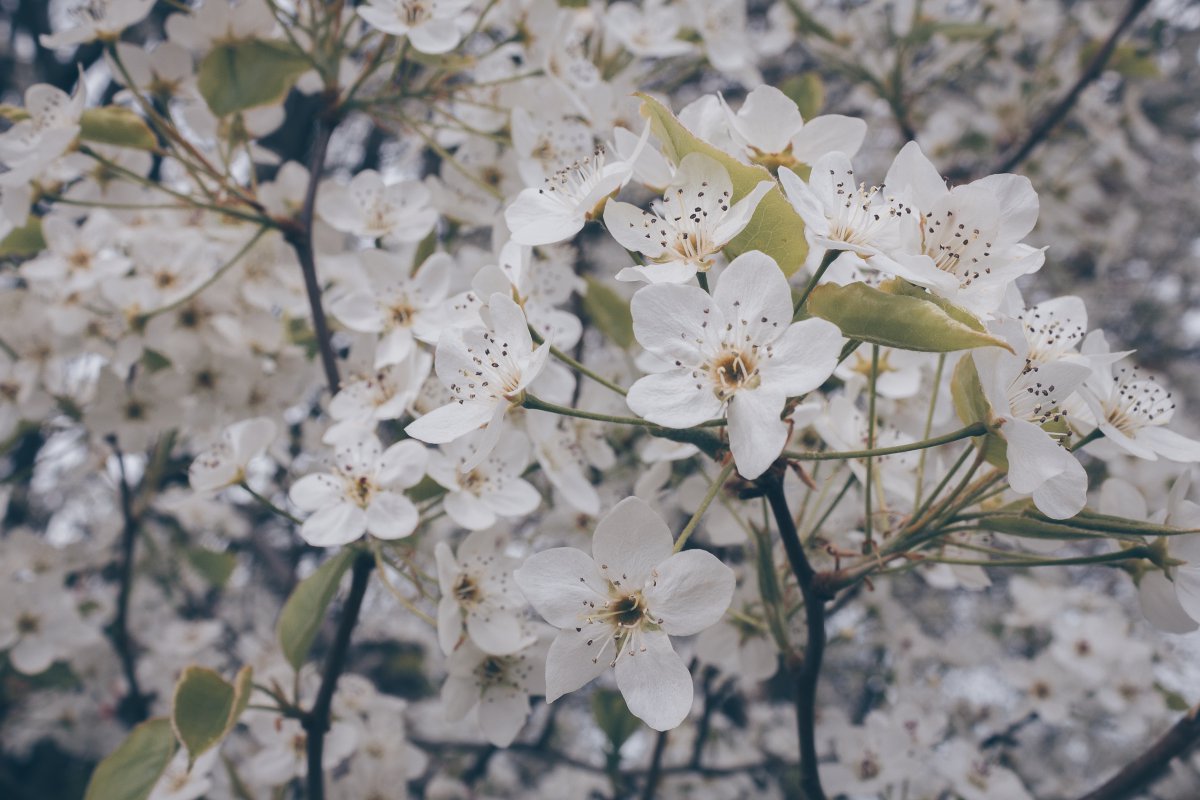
[611,405]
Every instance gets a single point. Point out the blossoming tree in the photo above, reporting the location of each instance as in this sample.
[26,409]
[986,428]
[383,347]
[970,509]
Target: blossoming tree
[647,426]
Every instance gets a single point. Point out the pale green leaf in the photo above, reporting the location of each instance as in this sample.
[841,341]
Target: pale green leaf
[130,771]
[807,91]
[24,241]
[248,73]
[117,126]
[901,321]
[775,229]
[305,609]
[200,709]
[609,312]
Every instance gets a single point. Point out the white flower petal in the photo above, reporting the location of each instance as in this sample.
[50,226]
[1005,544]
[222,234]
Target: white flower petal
[691,591]
[391,516]
[754,297]
[502,713]
[630,541]
[560,583]
[757,435]
[574,659]
[677,399]
[338,524]
[655,683]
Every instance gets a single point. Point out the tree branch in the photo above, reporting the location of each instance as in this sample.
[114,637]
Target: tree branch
[300,238]
[316,721]
[134,707]
[808,672]
[1146,768]
[655,771]
[1093,70]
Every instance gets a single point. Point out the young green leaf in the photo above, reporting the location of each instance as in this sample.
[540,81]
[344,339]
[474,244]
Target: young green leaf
[305,609]
[902,321]
[116,126]
[130,771]
[200,709]
[248,73]
[609,312]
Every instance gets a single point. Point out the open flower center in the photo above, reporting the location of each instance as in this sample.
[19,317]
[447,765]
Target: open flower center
[1138,402]
[467,591]
[733,369]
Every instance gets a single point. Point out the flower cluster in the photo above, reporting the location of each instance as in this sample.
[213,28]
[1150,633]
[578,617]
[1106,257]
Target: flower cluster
[393,397]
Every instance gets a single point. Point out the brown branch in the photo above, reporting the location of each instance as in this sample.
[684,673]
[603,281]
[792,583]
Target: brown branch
[655,771]
[1093,70]
[301,239]
[1146,768]
[316,721]
[807,673]
[135,706]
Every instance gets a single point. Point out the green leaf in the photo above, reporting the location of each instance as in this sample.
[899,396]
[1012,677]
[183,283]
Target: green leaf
[613,717]
[1127,60]
[201,709]
[972,406]
[25,241]
[609,312]
[154,361]
[215,567]
[305,609]
[807,91]
[116,126]
[130,771]
[244,74]
[243,687]
[902,321]
[775,229]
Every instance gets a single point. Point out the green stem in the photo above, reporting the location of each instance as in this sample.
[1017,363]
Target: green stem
[975,429]
[869,524]
[1086,440]
[146,317]
[688,529]
[1102,558]
[267,504]
[702,439]
[826,262]
[937,382]
[575,365]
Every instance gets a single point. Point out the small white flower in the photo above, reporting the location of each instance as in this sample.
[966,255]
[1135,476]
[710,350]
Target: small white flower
[28,147]
[1132,409]
[1024,397]
[40,624]
[486,370]
[399,307]
[651,31]
[840,213]
[499,686]
[971,232]
[97,19]
[692,223]
[224,464]
[619,607]
[482,489]
[770,130]
[398,212]
[363,494]
[478,594]
[558,209]
[736,351]
[432,26]
[388,393]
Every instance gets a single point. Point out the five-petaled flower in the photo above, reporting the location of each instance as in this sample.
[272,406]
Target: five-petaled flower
[619,608]
[736,352]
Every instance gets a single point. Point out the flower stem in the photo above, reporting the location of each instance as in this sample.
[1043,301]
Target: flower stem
[267,504]
[717,483]
[933,398]
[575,365]
[976,429]
[826,262]
[869,526]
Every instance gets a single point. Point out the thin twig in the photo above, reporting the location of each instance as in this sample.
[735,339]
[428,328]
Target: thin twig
[135,705]
[301,240]
[1093,70]
[655,771]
